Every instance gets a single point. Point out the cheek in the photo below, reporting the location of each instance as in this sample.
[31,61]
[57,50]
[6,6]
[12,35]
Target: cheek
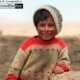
[39,30]
[53,30]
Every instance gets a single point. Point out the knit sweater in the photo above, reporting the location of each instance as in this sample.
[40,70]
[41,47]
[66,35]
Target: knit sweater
[36,59]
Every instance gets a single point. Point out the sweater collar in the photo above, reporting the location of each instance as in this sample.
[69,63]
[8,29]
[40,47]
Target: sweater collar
[43,41]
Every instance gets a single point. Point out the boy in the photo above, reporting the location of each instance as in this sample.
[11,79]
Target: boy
[42,55]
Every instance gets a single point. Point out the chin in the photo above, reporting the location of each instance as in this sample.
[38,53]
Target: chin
[47,39]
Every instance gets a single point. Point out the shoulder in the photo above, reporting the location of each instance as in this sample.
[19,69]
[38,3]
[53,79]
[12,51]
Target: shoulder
[60,42]
[26,43]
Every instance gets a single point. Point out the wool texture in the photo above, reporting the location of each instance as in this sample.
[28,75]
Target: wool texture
[34,62]
[56,15]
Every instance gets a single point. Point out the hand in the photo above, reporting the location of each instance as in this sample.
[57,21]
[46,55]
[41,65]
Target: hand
[57,70]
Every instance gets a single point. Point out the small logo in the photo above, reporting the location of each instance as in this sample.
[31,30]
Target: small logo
[11,4]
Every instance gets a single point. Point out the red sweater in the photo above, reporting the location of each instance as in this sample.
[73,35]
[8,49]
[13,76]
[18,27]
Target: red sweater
[35,56]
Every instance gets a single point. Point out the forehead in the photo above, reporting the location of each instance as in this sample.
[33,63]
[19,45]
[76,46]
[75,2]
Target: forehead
[50,19]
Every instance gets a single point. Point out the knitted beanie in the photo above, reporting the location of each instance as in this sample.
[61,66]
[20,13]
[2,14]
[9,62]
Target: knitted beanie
[57,17]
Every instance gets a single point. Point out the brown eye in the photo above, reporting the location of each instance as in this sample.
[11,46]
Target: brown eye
[42,25]
[51,25]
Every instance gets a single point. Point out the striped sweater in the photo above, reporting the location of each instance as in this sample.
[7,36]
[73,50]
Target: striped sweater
[36,59]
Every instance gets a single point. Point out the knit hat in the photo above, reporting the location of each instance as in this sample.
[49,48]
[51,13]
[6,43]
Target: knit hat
[57,17]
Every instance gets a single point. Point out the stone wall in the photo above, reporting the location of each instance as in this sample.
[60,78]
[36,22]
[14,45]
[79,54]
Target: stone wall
[71,75]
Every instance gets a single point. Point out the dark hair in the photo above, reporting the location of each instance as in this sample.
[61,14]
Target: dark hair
[41,15]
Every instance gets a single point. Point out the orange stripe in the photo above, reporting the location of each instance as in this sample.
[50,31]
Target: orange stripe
[64,67]
[61,42]
[53,41]
[26,43]
[11,77]
[31,41]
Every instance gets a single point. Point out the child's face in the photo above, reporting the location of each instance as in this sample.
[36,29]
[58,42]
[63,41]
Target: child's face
[46,29]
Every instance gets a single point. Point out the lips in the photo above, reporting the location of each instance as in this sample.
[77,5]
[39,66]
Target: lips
[47,34]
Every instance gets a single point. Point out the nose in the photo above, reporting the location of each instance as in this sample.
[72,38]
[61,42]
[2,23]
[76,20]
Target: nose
[46,28]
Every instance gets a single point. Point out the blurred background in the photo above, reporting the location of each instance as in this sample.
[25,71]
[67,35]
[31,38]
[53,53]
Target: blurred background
[17,25]
[20,21]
